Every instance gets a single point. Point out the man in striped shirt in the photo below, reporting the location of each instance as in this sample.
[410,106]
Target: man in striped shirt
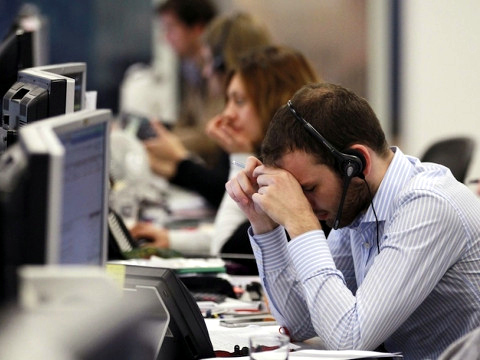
[401,266]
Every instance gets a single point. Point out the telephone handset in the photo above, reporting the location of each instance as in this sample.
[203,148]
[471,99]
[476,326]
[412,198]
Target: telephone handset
[120,241]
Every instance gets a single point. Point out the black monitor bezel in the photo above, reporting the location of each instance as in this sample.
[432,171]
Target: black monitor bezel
[188,337]
[16,53]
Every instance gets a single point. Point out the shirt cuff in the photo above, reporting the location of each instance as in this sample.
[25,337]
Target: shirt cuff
[270,249]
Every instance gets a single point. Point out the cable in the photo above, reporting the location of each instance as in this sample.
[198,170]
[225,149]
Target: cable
[375,213]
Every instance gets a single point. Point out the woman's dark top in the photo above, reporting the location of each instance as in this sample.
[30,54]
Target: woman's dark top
[208,182]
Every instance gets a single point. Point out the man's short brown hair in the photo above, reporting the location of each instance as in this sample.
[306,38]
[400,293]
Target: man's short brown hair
[341,116]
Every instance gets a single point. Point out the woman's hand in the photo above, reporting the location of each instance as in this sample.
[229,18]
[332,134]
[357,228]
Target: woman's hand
[155,236]
[165,151]
[220,130]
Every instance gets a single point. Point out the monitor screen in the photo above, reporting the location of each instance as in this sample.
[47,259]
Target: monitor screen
[84,196]
[53,193]
[187,337]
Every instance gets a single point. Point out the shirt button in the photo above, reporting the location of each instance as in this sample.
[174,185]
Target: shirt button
[366,245]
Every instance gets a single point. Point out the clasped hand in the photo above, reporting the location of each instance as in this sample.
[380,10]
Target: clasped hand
[220,129]
[271,196]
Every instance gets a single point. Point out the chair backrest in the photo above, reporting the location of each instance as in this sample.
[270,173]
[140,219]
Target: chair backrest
[454,153]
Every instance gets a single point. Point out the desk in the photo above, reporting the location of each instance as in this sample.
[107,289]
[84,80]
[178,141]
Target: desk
[224,338]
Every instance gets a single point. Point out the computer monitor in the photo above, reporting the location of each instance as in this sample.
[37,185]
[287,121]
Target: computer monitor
[187,337]
[41,92]
[53,194]
[16,53]
[24,45]
[78,72]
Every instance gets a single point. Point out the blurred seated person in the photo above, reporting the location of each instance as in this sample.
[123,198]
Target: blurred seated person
[264,79]
[184,23]
[170,155]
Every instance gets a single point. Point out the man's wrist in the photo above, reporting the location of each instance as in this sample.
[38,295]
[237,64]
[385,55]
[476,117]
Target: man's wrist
[263,227]
[297,228]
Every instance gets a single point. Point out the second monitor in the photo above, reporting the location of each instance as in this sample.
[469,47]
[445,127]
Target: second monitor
[41,92]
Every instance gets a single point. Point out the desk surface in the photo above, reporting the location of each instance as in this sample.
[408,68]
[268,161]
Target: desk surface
[224,338]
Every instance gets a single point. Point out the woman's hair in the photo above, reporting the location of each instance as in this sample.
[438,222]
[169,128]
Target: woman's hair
[230,36]
[271,75]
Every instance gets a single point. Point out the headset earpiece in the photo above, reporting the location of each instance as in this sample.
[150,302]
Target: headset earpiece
[352,163]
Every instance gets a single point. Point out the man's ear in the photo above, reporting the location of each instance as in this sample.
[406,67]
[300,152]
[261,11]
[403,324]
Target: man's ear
[364,155]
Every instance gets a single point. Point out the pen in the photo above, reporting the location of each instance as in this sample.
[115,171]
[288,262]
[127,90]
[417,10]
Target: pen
[239,164]
[474,181]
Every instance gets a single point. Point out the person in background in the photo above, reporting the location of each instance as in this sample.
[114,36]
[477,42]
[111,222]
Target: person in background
[401,267]
[266,79]
[184,23]
[263,80]
[226,38]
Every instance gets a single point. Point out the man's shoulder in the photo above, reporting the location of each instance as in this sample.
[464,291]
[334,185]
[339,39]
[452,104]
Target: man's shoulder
[434,185]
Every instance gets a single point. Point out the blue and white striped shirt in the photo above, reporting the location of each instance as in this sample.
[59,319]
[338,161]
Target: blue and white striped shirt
[420,294]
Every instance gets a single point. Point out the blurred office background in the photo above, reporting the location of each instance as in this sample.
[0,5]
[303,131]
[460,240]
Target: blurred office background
[417,62]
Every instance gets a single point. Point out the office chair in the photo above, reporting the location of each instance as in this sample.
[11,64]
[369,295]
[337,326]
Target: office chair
[455,153]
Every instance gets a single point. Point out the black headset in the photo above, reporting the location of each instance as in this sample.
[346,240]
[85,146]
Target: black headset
[350,162]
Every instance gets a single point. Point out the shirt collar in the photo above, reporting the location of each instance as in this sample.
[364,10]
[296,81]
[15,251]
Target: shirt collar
[396,176]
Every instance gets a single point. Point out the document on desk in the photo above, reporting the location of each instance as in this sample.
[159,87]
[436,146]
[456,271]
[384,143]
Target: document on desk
[333,355]
[224,338]
[180,265]
[339,354]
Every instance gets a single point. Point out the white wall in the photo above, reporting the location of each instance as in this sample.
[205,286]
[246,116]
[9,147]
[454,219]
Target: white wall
[330,33]
[378,62]
[441,73]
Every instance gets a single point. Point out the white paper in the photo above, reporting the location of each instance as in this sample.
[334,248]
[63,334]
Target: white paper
[338,354]
[331,355]
[224,338]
